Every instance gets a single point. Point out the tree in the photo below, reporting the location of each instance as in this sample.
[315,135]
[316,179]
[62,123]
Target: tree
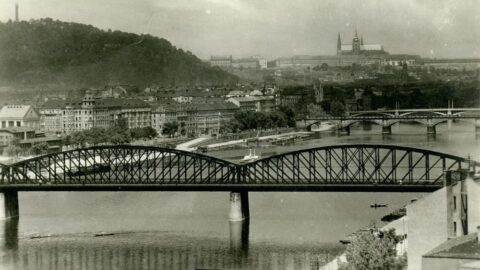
[79,138]
[39,148]
[374,250]
[337,108]
[170,128]
[12,150]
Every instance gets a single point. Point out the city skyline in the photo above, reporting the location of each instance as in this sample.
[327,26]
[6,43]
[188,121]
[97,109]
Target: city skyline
[439,29]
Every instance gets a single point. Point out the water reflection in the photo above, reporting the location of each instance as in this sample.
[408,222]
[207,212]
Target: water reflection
[10,233]
[239,233]
[160,251]
[9,238]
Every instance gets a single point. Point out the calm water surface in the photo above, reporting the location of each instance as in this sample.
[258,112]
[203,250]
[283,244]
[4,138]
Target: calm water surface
[190,230]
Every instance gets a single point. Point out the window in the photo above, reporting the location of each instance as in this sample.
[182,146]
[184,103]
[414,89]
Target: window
[455,227]
[19,124]
[454,202]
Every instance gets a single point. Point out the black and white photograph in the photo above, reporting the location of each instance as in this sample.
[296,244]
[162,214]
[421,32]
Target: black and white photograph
[240,135]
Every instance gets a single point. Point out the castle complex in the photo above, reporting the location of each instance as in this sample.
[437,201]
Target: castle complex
[348,54]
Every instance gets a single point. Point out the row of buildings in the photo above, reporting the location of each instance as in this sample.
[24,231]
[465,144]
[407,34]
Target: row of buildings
[227,61]
[204,113]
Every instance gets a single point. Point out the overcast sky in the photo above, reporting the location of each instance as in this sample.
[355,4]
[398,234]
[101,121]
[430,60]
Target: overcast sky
[273,28]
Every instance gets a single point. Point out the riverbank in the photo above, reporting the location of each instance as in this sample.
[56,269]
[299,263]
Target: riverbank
[401,228]
[257,141]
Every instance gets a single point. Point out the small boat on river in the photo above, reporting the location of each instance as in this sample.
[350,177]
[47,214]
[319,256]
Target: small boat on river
[250,157]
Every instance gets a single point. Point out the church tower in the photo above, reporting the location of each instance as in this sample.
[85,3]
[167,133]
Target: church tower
[356,44]
[339,45]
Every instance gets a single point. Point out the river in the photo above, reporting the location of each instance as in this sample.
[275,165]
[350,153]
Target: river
[190,230]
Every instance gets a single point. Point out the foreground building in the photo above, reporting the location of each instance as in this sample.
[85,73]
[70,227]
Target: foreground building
[445,223]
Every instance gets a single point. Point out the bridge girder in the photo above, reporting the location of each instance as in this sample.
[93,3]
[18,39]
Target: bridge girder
[331,168]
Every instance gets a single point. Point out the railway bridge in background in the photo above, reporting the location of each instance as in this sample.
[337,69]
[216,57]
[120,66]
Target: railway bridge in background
[387,118]
[353,168]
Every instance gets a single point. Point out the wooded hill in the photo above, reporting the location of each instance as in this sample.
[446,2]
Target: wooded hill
[59,53]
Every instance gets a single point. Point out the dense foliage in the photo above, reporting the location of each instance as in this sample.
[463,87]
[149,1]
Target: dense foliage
[374,250]
[54,52]
[465,94]
[250,120]
[118,134]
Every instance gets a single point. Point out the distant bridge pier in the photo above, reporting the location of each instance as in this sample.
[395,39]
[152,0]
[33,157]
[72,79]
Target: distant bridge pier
[477,125]
[239,206]
[8,204]
[431,129]
[386,128]
[345,130]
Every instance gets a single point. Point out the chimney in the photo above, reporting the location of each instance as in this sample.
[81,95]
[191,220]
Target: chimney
[16,12]
[478,234]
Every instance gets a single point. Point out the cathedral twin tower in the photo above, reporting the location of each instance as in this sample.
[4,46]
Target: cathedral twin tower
[358,47]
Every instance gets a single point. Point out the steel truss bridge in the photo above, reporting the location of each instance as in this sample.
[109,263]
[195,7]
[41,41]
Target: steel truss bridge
[359,167]
[386,118]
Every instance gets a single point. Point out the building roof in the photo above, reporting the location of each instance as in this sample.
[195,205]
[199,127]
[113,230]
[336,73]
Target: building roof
[236,93]
[366,47]
[56,103]
[17,130]
[463,247]
[124,103]
[14,111]
[253,98]
[220,57]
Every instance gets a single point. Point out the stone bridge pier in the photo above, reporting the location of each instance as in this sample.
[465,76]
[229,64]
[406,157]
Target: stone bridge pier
[8,204]
[239,206]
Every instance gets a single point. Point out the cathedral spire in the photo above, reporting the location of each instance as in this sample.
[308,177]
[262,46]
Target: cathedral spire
[361,40]
[356,35]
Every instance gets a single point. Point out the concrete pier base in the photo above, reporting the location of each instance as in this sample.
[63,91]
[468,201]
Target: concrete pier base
[387,130]
[8,204]
[239,207]
[431,130]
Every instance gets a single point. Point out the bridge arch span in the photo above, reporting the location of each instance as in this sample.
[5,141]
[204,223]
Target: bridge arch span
[376,114]
[122,164]
[423,113]
[356,166]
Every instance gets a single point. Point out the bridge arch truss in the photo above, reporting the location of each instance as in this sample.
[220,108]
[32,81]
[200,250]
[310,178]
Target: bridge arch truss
[362,167]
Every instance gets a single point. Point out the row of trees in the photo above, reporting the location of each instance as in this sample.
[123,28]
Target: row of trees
[250,120]
[14,149]
[119,133]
